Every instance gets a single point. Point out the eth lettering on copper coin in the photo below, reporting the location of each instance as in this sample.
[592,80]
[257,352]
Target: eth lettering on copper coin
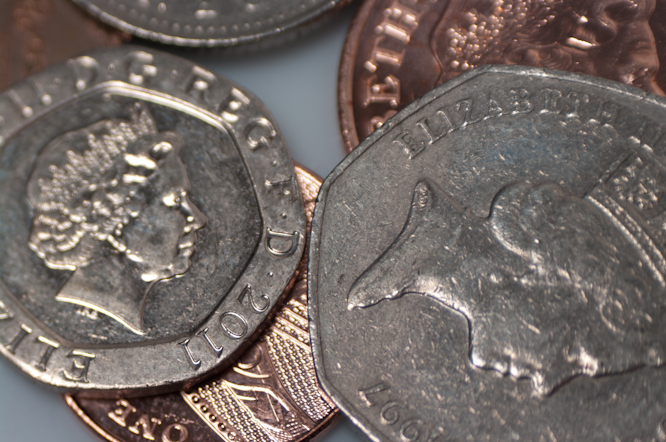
[271,394]
[397,50]
[489,265]
[222,23]
[149,221]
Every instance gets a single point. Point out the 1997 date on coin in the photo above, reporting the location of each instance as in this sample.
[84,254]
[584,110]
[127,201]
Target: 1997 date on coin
[398,417]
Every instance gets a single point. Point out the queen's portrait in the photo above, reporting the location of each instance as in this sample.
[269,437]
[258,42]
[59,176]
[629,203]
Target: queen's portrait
[552,285]
[110,204]
[606,38]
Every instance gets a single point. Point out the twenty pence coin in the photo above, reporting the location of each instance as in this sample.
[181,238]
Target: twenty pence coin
[150,222]
[271,393]
[489,264]
[397,50]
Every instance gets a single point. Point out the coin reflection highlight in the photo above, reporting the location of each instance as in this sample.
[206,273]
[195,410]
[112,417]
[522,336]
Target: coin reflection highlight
[608,38]
[111,204]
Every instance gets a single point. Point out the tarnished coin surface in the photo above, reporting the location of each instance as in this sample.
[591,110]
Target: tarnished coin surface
[35,34]
[397,50]
[212,22]
[489,264]
[149,221]
[270,395]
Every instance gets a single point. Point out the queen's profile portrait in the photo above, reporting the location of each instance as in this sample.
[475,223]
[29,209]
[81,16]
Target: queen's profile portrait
[606,38]
[552,285]
[111,205]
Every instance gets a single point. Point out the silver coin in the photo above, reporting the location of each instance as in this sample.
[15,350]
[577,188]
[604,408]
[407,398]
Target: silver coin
[489,265]
[213,22]
[149,221]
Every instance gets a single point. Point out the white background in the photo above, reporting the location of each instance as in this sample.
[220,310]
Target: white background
[298,83]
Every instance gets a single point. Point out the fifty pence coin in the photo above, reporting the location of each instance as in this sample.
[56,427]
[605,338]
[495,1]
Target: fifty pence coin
[149,221]
[271,394]
[489,264]
[35,34]
[397,50]
[213,22]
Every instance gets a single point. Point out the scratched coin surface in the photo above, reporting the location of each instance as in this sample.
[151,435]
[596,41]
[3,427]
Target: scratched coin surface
[213,22]
[397,50]
[270,395]
[35,34]
[489,264]
[149,221]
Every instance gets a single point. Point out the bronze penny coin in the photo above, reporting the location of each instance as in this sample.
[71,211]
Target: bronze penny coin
[35,34]
[270,394]
[397,50]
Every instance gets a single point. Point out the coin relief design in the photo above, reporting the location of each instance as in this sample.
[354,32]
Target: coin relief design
[607,38]
[117,184]
[577,279]
[150,216]
[616,39]
[212,22]
[489,264]
[270,394]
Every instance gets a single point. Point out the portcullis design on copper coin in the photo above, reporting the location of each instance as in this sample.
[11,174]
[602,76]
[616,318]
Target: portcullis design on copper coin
[489,264]
[270,394]
[150,221]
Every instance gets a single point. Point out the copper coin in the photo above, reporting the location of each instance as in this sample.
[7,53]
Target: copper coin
[35,34]
[397,50]
[270,394]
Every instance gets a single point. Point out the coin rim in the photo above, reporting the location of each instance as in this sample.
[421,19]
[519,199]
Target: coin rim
[304,22]
[309,178]
[345,406]
[115,81]
[346,76]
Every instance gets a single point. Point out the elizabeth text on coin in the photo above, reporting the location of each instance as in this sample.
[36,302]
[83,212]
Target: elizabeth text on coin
[489,264]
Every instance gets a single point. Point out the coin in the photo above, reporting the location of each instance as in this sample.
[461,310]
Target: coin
[271,394]
[213,22]
[397,50]
[149,221]
[35,34]
[489,264]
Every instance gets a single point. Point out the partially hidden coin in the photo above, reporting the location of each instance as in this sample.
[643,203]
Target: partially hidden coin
[213,22]
[150,220]
[397,50]
[489,264]
[270,394]
[35,34]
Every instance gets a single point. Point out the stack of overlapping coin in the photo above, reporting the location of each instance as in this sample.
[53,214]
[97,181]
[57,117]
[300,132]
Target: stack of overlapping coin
[487,265]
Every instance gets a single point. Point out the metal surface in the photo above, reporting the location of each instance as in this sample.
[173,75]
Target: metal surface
[489,264]
[213,22]
[304,107]
[271,394]
[150,221]
[396,51]
[35,34]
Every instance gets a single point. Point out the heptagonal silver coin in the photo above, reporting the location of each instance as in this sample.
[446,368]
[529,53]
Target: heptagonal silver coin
[150,220]
[489,265]
[211,23]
